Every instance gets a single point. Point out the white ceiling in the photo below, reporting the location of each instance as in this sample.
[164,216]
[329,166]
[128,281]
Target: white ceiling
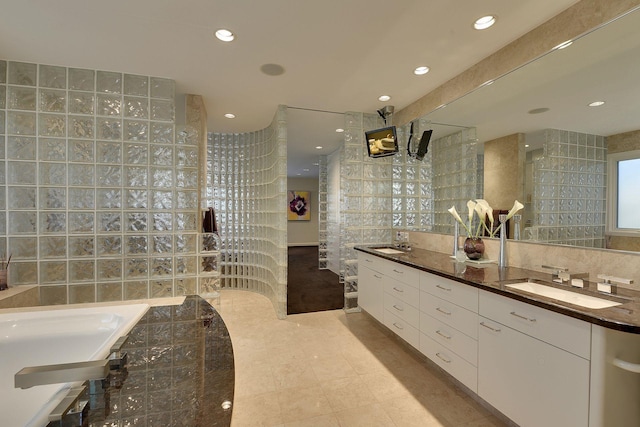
[338,55]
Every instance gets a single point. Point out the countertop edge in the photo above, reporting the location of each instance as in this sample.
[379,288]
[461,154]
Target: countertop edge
[558,307]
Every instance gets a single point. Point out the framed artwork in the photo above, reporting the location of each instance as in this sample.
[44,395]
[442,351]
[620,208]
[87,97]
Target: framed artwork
[298,208]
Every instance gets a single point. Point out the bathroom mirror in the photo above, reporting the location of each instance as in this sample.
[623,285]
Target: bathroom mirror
[555,90]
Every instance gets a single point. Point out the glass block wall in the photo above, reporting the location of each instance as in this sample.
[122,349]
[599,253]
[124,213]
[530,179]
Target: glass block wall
[569,197]
[456,172]
[365,199]
[98,197]
[323,212]
[413,207]
[247,186]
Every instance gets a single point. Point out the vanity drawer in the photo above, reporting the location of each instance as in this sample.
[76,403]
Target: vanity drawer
[400,272]
[458,293]
[451,314]
[370,261]
[448,360]
[402,328]
[402,309]
[562,331]
[450,337]
[402,291]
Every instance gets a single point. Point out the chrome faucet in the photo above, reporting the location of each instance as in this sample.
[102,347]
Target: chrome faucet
[563,276]
[62,373]
[608,284]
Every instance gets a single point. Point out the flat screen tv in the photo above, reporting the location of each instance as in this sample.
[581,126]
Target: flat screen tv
[382,142]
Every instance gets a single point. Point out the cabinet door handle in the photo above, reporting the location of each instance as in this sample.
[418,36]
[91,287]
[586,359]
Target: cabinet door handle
[489,327]
[397,290]
[444,359]
[627,366]
[367,260]
[398,308]
[398,271]
[520,316]
[377,277]
[398,326]
[445,336]
[443,288]
[445,312]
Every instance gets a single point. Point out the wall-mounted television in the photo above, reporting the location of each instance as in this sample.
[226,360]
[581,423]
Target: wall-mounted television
[382,142]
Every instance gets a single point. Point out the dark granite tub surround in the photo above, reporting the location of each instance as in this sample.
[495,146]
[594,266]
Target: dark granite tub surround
[180,371]
[624,317]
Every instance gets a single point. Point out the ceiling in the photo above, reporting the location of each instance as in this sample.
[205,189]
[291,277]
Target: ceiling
[337,55]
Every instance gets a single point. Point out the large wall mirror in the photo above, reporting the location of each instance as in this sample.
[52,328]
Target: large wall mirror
[553,93]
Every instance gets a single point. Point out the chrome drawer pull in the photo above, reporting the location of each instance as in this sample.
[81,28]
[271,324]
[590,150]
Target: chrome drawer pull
[627,366]
[398,308]
[513,313]
[444,359]
[399,272]
[397,290]
[443,288]
[398,326]
[489,327]
[443,335]
[448,313]
[368,260]
[377,277]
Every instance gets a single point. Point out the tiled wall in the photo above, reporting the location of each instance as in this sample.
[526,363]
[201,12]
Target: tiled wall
[247,186]
[323,212]
[98,196]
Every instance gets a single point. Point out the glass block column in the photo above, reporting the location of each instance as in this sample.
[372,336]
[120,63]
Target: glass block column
[248,186]
[569,190]
[365,200]
[99,197]
[323,204]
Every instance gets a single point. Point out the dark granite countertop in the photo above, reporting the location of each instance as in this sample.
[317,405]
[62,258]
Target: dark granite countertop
[489,277]
[180,370]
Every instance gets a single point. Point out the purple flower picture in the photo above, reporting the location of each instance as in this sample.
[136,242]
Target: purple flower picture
[298,206]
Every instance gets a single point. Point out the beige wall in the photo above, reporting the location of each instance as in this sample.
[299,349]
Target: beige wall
[504,170]
[304,233]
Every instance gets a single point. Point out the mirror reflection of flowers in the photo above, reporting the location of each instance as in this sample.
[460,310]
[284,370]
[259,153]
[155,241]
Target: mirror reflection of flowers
[481,208]
[298,205]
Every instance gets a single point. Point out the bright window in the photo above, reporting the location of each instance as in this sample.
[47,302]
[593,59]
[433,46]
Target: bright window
[623,211]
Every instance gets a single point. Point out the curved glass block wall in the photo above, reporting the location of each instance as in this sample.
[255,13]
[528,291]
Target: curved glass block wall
[247,186]
[98,198]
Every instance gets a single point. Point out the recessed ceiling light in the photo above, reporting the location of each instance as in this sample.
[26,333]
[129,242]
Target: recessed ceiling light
[564,44]
[225,35]
[384,98]
[421,70]
[484,22]
[526,145]
[230,116]
[596,103]
[339,130]
[319,147]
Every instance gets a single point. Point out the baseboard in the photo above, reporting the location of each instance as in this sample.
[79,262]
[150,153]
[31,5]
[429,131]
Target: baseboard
[303,244]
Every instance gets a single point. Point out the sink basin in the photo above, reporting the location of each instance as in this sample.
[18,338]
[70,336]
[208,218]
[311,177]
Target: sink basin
[389,251]
[563,295]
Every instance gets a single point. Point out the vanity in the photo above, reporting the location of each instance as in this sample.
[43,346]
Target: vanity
[537,360]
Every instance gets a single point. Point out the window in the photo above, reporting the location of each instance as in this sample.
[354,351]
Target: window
[623,196]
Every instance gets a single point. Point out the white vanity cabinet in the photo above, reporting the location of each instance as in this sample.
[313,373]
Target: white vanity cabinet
[449,326]
[533,364]
[370,283]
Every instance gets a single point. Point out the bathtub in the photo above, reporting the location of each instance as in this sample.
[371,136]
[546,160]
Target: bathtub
[54,336]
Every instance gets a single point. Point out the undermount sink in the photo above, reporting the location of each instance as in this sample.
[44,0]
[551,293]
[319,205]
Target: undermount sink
[389,251]
[563,295]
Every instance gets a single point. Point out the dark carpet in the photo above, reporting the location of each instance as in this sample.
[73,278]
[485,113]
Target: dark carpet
[309,288]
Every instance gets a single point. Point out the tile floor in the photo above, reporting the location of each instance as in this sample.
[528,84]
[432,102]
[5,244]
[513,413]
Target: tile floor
[333,369]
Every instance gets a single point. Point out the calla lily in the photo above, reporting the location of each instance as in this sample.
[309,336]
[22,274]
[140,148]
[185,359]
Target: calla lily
[516,207]
[471,205]
[455,214]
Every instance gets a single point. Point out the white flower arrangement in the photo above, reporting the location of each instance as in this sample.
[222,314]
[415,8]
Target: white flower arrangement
[482,209]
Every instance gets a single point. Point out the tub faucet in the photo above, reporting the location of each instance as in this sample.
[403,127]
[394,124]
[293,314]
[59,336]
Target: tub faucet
[62,373]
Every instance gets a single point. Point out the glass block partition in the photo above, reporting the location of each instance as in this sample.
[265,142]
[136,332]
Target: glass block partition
[413,207]
[323,206]
[98,196]
[365,199]
[247,187]
[455,164]
[569,197]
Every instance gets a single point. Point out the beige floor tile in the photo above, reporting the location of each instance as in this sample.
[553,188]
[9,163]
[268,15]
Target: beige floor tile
[321,421]
[261,410]
[294,375]
[332,367]
[255,379]
[299,404]
[347,393]
[408,411]
[365,416]
[384,386]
